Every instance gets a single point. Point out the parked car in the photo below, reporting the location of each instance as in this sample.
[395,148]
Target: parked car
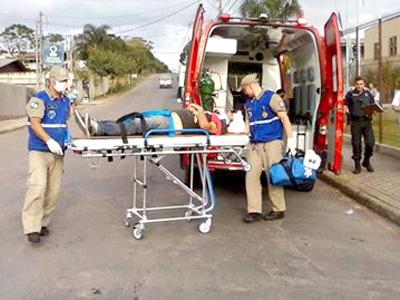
[165,82]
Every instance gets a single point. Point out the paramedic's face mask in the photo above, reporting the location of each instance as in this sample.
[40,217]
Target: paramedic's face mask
[359,85]
[60,86]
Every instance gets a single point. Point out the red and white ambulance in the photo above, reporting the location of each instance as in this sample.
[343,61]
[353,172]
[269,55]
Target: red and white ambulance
[287,54]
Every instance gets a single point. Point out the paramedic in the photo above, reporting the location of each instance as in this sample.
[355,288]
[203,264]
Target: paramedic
[361,124]
[266,121]
[48,112]
[192,117]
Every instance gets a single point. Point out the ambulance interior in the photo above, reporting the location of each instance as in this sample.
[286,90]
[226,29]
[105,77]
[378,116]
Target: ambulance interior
[281,57]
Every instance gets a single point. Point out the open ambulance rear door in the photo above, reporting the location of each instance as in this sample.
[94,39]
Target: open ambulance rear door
[333,94]
[192,65]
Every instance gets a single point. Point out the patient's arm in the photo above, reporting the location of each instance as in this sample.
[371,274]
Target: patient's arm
[202,118]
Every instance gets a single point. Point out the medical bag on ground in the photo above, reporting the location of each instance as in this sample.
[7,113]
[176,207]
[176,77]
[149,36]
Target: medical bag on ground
[291,172]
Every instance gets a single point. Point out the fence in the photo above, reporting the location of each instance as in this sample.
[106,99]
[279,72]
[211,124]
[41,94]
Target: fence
[12,100]
[371,50]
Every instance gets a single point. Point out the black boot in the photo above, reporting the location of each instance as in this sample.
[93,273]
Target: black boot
[252,217]
[34,237]
[357,167]
[366,164]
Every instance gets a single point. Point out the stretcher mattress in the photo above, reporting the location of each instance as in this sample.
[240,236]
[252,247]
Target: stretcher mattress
[179,141]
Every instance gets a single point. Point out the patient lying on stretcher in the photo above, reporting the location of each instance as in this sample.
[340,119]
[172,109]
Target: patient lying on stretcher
[135,124]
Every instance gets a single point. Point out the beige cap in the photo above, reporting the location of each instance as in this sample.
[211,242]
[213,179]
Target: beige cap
[58,73]
[247,80]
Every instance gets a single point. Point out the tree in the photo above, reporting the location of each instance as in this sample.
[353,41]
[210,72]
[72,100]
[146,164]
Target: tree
[109,63]
[18,38]
[275,9]
[90,37]
[55,38]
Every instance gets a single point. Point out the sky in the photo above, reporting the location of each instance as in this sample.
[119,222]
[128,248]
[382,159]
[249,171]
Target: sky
[169,35]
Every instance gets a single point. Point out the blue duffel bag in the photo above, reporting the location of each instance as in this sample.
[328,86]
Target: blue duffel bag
[290,172]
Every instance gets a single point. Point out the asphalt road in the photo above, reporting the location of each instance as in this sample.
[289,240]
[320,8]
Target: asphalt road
[328,247]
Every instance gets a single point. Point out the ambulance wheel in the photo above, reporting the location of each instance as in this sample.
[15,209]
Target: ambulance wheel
[205,227]
[138,231]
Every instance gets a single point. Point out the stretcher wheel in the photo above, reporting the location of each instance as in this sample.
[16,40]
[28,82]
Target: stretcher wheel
[205,227]
[128,222]
[138,230]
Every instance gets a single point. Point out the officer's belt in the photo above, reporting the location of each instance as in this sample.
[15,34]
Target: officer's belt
[360,118]
[50,125]
[264,121]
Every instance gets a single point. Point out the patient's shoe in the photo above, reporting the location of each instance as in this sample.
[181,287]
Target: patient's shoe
[91,124]
[80,121]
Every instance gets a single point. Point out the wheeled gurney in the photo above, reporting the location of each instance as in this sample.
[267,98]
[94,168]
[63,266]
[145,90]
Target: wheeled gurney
[152,148]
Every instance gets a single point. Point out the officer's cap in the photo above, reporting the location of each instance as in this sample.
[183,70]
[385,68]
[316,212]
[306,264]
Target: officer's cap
[247,80]
[58,73]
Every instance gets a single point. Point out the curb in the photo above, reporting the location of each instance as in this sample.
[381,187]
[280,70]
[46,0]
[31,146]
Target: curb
[364,198]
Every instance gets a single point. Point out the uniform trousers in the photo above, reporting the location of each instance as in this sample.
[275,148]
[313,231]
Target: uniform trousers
[261,156]
[44,180]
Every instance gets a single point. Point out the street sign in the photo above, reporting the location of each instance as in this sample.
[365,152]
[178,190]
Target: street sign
[53,54]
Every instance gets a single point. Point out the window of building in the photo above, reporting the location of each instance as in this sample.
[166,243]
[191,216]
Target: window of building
[376,51]
[393,46]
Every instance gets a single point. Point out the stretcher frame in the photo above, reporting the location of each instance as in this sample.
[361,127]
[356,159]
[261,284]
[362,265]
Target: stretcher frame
[152,149]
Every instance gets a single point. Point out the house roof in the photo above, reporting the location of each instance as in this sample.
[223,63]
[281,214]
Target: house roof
[7,61]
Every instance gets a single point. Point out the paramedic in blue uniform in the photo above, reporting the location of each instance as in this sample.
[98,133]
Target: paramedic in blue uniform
[361,124]
[268,123]
[48,112]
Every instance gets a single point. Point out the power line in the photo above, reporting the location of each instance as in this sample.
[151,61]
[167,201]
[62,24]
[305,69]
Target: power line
[232,5]
[170,7]
[160,19]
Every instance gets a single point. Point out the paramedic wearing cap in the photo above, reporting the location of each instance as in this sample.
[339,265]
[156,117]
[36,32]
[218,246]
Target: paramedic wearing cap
[266,121]
[48,112]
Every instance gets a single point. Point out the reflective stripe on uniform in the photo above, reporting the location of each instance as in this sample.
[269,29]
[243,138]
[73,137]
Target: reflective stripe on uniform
[264,121]
[51,125]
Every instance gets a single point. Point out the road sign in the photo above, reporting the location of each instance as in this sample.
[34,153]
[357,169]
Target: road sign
[53,54]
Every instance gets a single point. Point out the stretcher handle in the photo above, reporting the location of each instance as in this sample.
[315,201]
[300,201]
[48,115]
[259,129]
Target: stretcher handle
[163,131]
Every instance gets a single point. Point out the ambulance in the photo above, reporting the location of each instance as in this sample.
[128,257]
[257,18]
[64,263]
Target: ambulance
[285,54]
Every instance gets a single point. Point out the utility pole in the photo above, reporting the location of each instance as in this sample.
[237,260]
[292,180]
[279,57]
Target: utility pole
[38,44]
[219,7]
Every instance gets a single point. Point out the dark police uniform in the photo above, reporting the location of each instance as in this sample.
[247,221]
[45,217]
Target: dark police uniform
[360,123]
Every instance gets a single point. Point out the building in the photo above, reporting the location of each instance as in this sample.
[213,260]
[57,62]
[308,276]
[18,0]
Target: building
[390,39]
[12,65]
[13,71]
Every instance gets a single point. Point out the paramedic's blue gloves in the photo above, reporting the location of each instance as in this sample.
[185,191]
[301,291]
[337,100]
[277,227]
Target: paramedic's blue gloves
[291,145]
[54,147]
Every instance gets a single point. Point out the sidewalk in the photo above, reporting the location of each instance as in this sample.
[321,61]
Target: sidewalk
[12,124]
[379,191]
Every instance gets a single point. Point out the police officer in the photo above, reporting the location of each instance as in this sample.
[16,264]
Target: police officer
[48,112]
[266,121]
[361,124]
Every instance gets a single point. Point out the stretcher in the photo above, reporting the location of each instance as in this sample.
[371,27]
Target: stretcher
[152,148]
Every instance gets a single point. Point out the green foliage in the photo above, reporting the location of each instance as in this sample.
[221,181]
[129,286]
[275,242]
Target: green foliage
[82,74]
[18,38]
[55,38]
[390,80]
[275,9]
[109,55]
[106,62]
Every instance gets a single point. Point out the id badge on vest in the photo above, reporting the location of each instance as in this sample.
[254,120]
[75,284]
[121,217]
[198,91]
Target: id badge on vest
[51,111]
